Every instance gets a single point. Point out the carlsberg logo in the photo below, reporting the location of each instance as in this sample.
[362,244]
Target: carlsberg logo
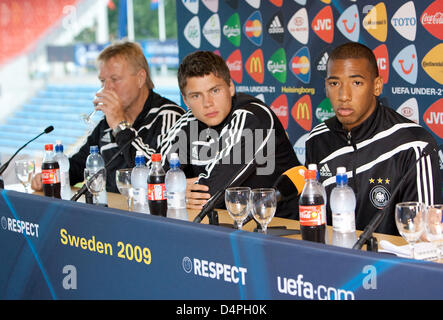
[277,65]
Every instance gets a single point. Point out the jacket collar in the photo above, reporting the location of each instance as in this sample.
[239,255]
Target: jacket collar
[361,132]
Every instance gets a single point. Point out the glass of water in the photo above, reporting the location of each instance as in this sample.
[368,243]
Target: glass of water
[123,181]
[237,204]
[409,218]
[263,204]
[24,170]
[87,118]
[434,226]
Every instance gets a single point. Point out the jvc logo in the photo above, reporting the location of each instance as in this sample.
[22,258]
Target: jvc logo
[325,24]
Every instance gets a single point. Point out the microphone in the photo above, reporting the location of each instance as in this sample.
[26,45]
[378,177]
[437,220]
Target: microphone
[248,169]
[287,186]
[6,164]
[378,218]
[84,188]
[290,184]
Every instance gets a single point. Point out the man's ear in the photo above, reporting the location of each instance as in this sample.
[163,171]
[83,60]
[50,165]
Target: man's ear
[378,86]
[231,88]
[141,77]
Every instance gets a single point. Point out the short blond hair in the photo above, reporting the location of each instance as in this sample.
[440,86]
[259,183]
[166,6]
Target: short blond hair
[133,54]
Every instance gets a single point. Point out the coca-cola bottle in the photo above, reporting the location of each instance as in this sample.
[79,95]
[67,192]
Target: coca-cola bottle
[157,200]
[51,174]
[311,209]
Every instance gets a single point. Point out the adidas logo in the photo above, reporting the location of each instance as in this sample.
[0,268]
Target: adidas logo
[324,171]
[276,26]
[321,66]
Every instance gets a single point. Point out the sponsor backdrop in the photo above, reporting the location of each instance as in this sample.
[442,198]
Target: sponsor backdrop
[66,250]
[277,50]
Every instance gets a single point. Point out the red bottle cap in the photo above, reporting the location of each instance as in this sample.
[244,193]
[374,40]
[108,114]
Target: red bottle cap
[156,157]
[49,147]
[310,174]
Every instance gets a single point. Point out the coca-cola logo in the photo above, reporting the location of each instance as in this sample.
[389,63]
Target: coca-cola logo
[281,111]
[280,108]
[436,18]
[432,19]
[234,66]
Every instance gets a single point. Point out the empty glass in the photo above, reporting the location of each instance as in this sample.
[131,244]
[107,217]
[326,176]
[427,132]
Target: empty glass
[24,170]
[263,203]
[87,118]
[95,181]
[123,181]
[434,226]
[409,218]
[237,204]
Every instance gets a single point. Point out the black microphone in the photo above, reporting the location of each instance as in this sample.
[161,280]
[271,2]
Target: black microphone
[6,164]
[290,184]
[84,188]
[287,186]
[378,218]
[215,200]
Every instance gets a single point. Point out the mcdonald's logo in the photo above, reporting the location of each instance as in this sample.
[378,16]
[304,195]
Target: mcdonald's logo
[302,112]
[255,66]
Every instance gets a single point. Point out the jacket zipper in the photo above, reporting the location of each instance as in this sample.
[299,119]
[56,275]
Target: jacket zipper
[354,146]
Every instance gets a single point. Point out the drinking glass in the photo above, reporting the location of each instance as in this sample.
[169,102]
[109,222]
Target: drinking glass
[95,181]
[87,118]
[264,203]
[237,204]
[434,226]
[24,169]
[123,181]
[409,218]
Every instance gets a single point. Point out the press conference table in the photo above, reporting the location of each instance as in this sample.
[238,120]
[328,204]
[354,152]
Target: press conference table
[118,201]
[53,249]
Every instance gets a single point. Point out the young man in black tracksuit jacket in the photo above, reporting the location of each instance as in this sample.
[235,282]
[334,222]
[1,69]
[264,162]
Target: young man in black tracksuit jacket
[224,135]
[378,146]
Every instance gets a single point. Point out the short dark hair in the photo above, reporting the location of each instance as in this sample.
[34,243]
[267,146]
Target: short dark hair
[355,50]
[200,64]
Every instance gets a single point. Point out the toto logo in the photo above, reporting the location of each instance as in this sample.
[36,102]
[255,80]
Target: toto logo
[187,264]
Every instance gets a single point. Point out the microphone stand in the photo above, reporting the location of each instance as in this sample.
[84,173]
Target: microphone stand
[367,236]
[6,164]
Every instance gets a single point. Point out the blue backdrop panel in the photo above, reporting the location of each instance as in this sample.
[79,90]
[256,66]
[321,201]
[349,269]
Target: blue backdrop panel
[277,50]
[127,255]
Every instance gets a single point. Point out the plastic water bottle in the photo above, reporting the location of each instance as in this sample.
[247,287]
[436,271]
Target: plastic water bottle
[156,187]
[343,211]
[175,183]
[313,167]
[50,174]
[63,162]
[139,182]
[95,162]
[311,208]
